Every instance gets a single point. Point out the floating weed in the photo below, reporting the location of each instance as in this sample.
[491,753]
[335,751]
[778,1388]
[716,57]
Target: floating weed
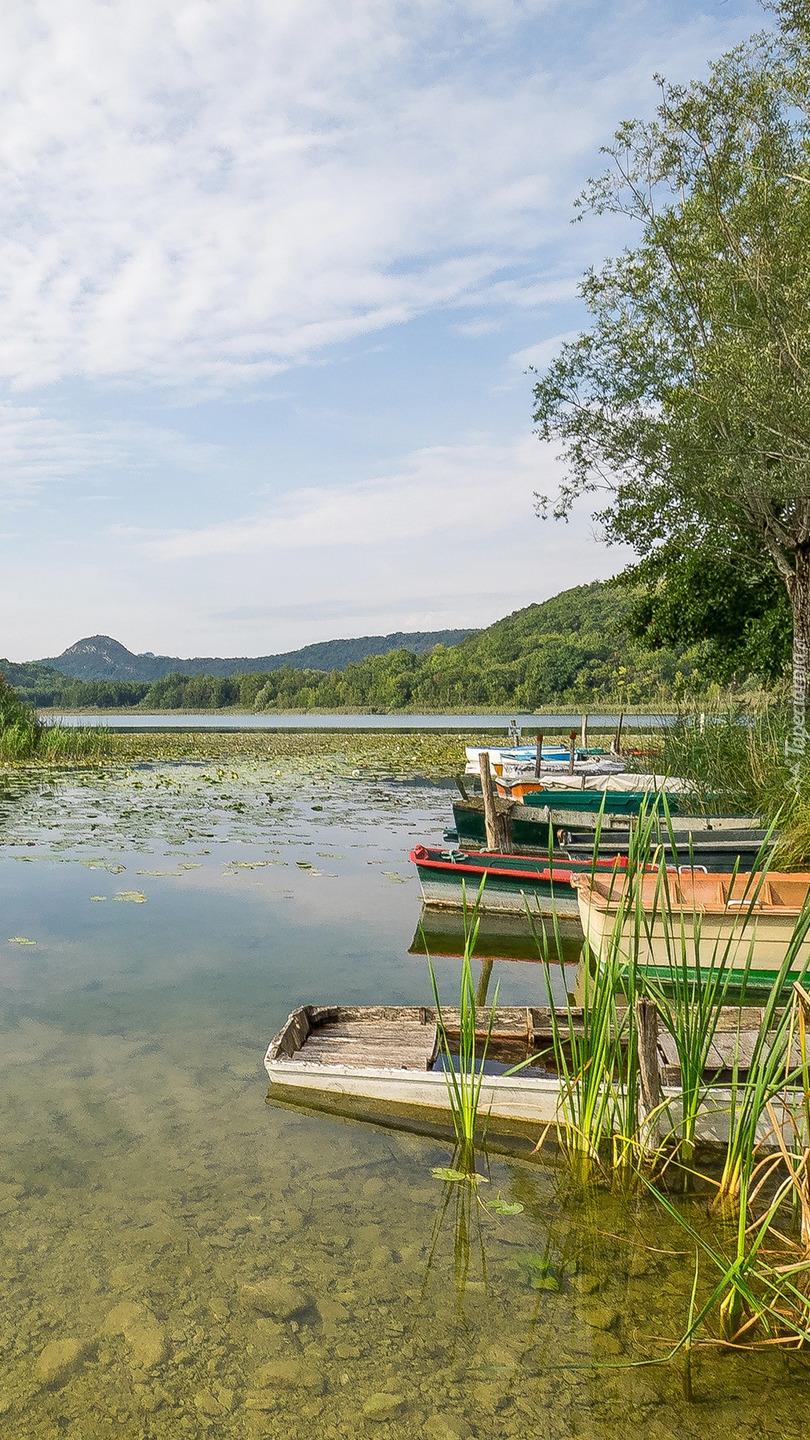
[394,877]
[137,897]
[505,1207]
[465,1177]
[98,897]
[20,940]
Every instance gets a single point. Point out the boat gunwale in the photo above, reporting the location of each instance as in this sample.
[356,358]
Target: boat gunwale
[749,907]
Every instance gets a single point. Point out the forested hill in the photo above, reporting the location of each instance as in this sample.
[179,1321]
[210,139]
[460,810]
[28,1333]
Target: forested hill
[99,657]
[573,649]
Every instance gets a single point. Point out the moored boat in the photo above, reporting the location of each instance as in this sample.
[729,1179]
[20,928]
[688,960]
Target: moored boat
[514,883]
[379,1063]
[718,842]
[744,922]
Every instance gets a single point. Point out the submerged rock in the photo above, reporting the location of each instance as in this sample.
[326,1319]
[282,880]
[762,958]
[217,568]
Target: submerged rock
[447,1427]
[276,1298]
[383,1406]
[142,1332]
[597,1315]
[294,1374]
[261,1400]
[58,1361]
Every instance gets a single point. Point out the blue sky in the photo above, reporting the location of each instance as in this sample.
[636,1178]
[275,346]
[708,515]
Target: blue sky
[271,274]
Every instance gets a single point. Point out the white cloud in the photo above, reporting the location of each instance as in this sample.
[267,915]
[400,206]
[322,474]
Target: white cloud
[212,192]
[465,489]
[539,356]
[38,449]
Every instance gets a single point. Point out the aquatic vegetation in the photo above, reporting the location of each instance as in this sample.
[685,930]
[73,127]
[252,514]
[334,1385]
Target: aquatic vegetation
[464,1070]
[24,739]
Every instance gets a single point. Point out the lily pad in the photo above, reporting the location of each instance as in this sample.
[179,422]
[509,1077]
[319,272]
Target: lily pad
[466,1177]
[505,1207]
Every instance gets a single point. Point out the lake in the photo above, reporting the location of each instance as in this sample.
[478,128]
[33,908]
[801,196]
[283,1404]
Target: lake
[158,924]
[223,721]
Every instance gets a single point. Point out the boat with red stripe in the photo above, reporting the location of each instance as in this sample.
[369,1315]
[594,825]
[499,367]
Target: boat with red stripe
[541,882]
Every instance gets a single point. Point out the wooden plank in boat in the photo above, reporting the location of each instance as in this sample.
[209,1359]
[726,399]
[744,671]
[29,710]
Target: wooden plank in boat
[378,1041]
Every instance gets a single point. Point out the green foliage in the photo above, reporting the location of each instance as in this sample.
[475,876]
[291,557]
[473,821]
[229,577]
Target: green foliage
[735,603]
[575,648]
[23,737]
[689,396]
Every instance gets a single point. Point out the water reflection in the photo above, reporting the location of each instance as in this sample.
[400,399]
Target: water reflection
[178,1259]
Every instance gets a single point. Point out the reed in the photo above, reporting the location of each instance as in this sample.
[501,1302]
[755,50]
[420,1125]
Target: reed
[25,740]
[761,1292]
[464,1074]
[587,1054]
[769,1070]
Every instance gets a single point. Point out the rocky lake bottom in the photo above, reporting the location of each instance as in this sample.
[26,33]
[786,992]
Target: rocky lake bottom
[179,1258]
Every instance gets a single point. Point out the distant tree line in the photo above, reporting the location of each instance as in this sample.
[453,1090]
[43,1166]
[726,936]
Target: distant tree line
[576,649]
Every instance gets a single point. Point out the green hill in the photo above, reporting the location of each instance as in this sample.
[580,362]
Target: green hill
[571,650]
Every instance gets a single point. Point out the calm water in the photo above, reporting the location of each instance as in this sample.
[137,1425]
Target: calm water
[207,721]
[177,914]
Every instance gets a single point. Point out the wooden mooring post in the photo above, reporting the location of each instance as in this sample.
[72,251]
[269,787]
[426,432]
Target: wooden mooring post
[583,733]
[649,1075]
[617,741]
[498,826]
[538,758]
[572,750]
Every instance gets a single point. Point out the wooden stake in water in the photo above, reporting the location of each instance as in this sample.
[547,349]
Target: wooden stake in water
[538,758]
[583,733]
[649,1074]
[498,826]
[617,743]
[572,750]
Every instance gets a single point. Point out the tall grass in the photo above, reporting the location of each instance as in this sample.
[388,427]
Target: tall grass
[24,739]
[464,1073]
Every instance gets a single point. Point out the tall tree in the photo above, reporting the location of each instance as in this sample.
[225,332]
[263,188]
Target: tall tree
[688,399]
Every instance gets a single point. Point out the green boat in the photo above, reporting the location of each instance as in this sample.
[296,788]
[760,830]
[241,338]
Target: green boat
[714,843]
[514,883]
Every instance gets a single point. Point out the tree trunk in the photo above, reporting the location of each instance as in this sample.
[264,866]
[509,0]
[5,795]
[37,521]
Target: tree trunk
[799,593]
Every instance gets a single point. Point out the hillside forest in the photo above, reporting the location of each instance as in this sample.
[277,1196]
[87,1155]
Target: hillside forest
[577,648]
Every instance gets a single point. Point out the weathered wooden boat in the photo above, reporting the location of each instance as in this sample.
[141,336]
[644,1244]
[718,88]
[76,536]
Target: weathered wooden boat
[744,921]
[381,1063]
[718,842]
[513,882]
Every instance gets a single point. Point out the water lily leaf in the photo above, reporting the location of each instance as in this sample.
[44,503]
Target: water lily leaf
[467,1177]
[136,896]
[505,1207]
[20,940]
[303,865]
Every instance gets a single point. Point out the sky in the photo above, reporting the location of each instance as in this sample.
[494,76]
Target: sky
[272,273]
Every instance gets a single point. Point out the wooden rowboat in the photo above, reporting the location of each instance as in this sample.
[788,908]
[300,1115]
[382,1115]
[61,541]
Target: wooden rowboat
[742,920]
[513,882]
[376,1063]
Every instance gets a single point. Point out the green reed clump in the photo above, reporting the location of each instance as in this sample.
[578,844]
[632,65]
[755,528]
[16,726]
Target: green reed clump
[464,1074]
[24,738]
[760,1293]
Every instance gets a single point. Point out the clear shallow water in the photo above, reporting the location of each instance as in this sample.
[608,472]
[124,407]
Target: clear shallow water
[146,1189]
